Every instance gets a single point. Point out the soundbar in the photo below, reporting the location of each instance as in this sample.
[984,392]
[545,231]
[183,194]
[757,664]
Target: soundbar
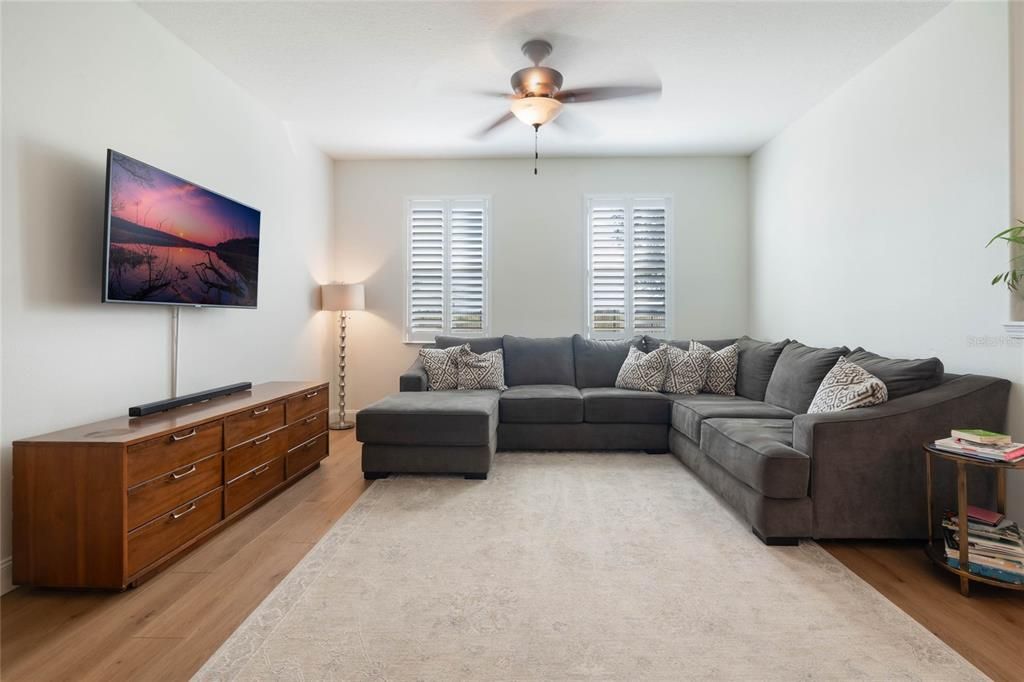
[171,403]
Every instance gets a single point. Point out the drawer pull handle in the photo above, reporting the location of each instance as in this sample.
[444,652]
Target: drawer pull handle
[262,470]
[177,515]
[311,419]
[176,475]
[262,410]
[312,443]
[261,441]
[175,437]
[312,395]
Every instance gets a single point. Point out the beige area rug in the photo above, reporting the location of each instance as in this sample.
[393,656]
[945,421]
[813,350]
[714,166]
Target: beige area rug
[567,566]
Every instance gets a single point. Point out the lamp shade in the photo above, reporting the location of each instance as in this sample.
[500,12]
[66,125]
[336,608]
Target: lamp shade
[342,297]
[536,111]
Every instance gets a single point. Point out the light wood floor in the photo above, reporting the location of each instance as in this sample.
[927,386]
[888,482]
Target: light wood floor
[167,627]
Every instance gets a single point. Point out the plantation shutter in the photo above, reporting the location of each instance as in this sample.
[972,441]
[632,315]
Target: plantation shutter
[628,275]
[447,268]
[607,268]
[649,266]
[426,269]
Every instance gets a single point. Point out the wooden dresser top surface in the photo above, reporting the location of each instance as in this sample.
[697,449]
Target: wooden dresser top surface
[127,430]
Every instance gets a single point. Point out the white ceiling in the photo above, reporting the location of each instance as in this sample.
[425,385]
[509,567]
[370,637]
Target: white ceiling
[397,79]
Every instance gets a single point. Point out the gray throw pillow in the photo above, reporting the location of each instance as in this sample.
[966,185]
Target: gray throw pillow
[686,372]
[486,370]
[643,371]
[798,373]
[847,386]
[442,366]
[901,377]
[757,360]
[721,378]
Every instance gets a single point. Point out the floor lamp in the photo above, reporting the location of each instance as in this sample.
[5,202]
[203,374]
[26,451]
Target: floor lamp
[342,298]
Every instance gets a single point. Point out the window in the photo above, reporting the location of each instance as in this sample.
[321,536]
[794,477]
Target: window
[628,260]
[447,268]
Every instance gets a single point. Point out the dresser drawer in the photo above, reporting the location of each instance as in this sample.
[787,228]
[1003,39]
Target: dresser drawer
[160,495]
[305,404]
[247,425]
[167,533]
[307,454]
[307,428]
[165,454]
[257,482]
[247,456]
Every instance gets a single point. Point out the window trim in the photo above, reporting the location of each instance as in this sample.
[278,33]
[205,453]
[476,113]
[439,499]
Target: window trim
[447,199]
[629,200]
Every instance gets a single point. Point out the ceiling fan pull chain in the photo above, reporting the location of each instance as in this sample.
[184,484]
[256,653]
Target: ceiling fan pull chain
[536,155]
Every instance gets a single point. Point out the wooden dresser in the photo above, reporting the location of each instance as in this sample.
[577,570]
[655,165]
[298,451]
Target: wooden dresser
[104,504]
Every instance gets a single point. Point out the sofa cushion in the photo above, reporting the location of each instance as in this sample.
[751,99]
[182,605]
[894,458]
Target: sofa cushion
[901,377]
[622,406]
[482,344]
[483,370]
[757,360]
[721,376]
[598,361]
[687,370]
[688,411]
[430,418]
[542,404]
[759,453]
[643,371]
[652,342]
[538,361]
[848,386]
[798,373]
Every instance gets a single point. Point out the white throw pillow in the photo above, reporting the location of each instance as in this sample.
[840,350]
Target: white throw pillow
[687,370]
[484,370]
[722,368]
[643,371]
[847,386]
[442,366]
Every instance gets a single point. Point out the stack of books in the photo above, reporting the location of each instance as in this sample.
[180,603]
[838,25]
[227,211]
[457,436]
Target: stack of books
[995,550]
[982,445]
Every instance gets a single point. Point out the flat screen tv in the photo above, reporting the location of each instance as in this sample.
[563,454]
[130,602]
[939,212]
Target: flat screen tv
[172,242]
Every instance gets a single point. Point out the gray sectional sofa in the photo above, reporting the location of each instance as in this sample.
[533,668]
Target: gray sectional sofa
[851,474]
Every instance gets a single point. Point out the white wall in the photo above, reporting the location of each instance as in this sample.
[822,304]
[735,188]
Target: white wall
[78,78]
[537,248]
[870,214]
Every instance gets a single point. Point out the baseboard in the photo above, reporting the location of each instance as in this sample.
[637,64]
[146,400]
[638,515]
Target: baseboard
[349,414]
[6,575]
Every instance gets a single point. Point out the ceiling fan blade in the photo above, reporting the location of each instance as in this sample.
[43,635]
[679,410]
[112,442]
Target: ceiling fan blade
[495,93]
[607,92]
[574,124]
[505,118]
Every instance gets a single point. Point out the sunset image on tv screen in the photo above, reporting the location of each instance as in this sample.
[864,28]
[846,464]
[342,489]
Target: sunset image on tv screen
[170,241]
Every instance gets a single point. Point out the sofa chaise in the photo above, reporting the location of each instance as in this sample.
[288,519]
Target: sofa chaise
[851,474]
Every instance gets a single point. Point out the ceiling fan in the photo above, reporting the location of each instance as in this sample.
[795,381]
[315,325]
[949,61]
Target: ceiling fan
[537,96]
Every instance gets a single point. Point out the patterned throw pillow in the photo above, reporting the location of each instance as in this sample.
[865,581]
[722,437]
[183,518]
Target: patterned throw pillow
[687,370]
[484,370]
[847,386]
[721,369]
[643,371]
[442,366]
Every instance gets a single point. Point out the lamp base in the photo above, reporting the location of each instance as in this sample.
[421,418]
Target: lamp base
[341,426]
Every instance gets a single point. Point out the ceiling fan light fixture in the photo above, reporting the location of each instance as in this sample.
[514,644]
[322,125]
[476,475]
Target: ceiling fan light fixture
[536,111]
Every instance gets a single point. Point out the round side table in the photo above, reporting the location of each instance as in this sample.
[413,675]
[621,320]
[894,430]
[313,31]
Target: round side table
[936,548]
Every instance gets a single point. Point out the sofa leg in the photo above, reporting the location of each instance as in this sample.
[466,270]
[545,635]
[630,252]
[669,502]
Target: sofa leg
[776,542]
[374,475]
[476,477]
[656,452]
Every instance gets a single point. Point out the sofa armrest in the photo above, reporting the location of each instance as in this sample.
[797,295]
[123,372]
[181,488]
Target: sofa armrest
[414,378]
[868,467]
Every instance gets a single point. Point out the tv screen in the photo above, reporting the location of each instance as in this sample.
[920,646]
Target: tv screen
[170,241]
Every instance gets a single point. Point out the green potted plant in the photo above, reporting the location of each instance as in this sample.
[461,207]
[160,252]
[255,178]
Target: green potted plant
[1014,277]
